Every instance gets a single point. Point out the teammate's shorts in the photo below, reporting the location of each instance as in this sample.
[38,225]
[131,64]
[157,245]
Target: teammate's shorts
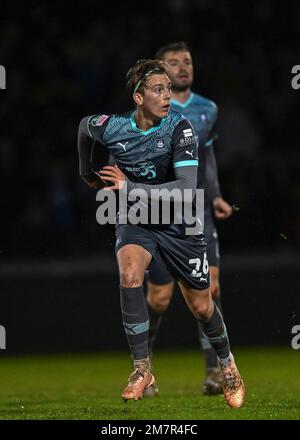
[158,272]
[211,237]
[184,256]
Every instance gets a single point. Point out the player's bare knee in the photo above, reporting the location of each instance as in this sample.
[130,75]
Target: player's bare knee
[159,302]
[159,296]
[202,306]
[130,278]
[203,310]
[215,289]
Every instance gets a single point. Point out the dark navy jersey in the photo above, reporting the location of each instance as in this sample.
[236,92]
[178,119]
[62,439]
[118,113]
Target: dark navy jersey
[146,156]
[153,157]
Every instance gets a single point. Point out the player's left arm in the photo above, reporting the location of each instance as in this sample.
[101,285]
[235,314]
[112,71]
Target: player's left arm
[91,129]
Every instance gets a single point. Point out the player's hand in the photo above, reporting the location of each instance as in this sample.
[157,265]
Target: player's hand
[222,209]
[114,175]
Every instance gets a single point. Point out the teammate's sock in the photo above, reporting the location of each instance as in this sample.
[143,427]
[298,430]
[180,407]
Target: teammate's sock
[215,331]
[211,359]
[154,324]
[217,301]
[135,321]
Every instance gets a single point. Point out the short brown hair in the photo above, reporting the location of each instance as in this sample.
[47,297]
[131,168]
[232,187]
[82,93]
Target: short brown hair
[173,47]
[142,69]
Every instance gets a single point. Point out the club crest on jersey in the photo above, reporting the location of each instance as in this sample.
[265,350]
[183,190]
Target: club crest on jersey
[160,143]
[98,120]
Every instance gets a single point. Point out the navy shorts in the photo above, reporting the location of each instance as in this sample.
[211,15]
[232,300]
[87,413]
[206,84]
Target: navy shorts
[211,237]
[159,274]
[184,256]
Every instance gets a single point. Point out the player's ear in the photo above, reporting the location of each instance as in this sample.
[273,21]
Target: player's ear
[138,98]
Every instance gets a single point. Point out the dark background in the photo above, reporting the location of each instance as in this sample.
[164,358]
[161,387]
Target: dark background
[58,278]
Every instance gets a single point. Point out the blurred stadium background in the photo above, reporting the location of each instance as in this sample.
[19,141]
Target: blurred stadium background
[59,280]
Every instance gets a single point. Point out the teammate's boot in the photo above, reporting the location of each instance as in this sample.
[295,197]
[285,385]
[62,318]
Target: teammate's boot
[151,391]
[233,385]
[213,382]
[138,381]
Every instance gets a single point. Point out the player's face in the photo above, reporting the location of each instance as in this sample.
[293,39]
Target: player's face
[180,69]
[157,95]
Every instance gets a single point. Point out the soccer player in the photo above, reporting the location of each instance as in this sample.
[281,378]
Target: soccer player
[152,148]
[202,113]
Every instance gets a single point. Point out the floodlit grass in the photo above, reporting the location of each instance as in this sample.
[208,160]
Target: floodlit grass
[89,387]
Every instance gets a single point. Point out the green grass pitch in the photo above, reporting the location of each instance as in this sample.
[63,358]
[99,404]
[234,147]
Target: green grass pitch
[89,386]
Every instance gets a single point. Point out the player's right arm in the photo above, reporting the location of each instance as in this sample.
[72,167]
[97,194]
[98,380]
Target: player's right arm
[221,208]
[212,185]
[91,129]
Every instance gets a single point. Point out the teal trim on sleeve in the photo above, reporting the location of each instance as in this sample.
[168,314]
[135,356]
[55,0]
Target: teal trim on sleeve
[185,163]
[209,143]
[211,140]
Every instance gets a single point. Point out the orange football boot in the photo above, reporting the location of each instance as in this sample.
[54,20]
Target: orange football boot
[138,382]
[233,385]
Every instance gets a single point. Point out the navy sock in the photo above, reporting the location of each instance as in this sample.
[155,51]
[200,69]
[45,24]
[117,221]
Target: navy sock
[215,331]
[154,324]
[217,301]
[135,320]
[211,360]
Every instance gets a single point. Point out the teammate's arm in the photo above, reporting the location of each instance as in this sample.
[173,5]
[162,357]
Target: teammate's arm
[222,209]
[212,185]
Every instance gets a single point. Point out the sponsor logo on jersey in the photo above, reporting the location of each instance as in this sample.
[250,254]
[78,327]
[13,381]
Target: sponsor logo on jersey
[98,120]
[188,133]
[188,137]
[190,153]
[187,141]
[143,169]
[122,145]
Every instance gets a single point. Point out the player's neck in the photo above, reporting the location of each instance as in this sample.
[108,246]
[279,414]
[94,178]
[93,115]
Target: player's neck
[145,121]
[181,96]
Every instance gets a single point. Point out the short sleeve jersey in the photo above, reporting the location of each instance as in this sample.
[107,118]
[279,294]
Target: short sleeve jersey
[202,113]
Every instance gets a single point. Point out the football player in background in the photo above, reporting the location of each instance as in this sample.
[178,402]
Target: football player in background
[202,113]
